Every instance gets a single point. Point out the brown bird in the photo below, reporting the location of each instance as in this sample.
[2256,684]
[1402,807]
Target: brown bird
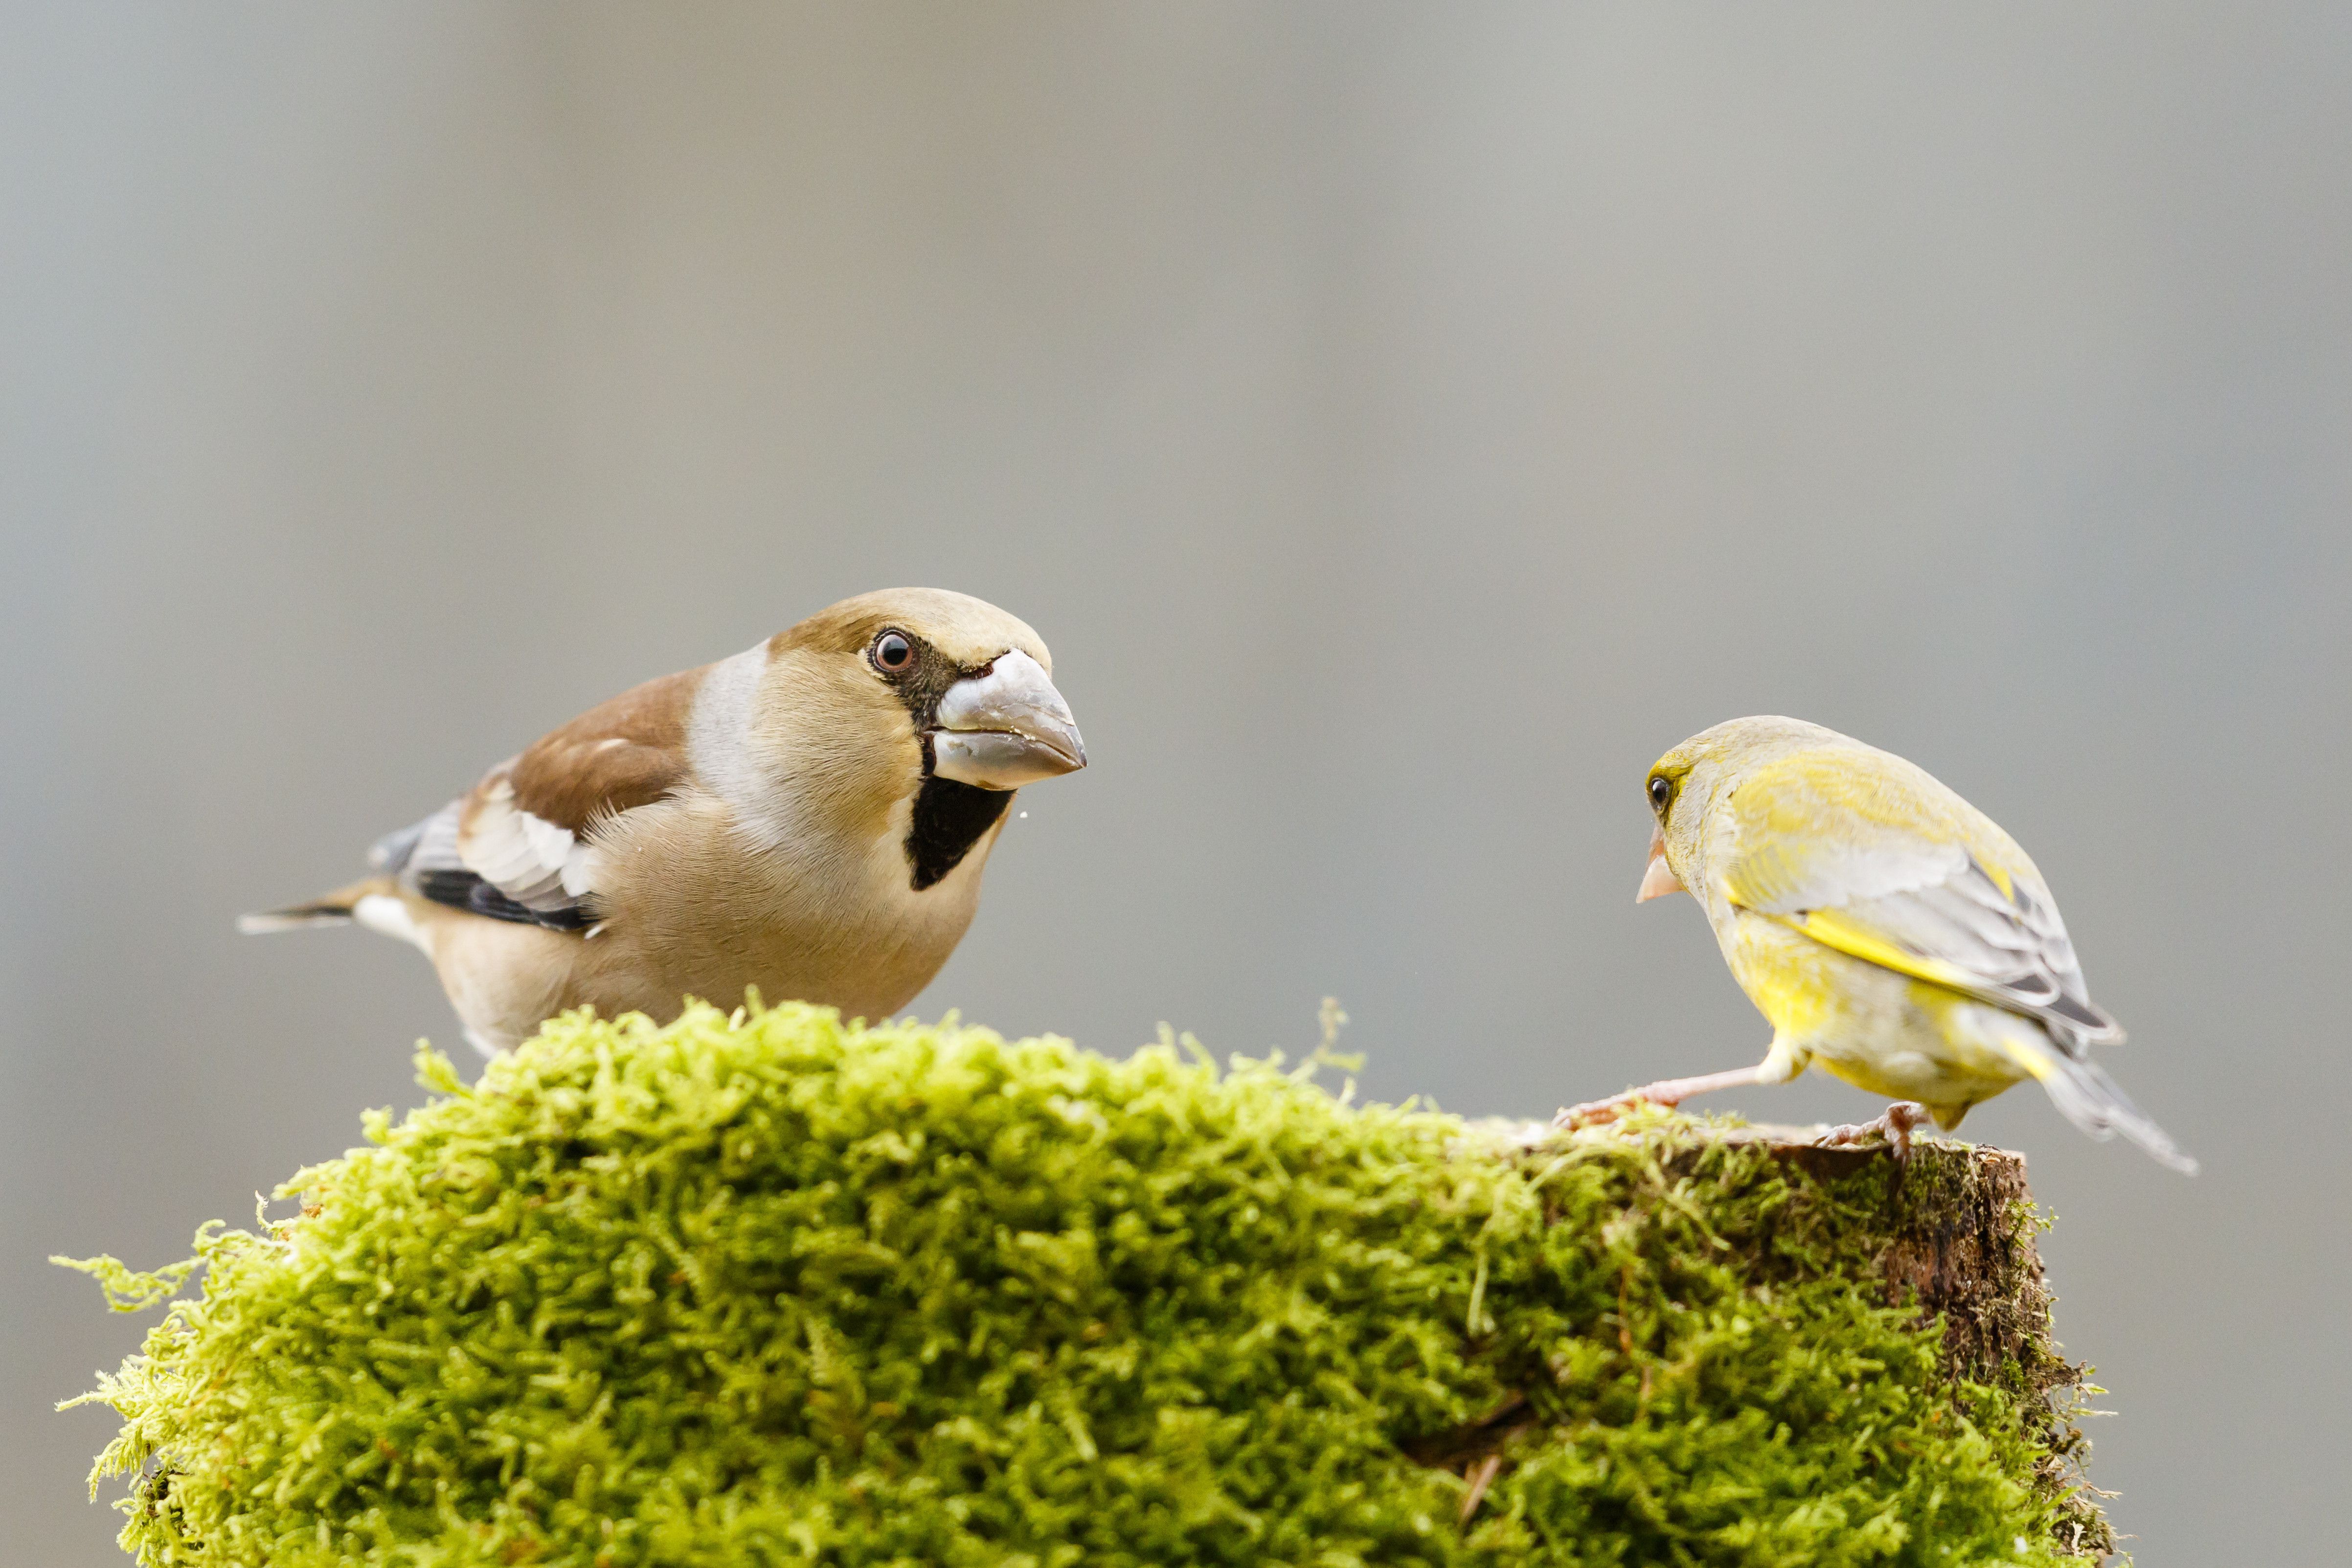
[810,817]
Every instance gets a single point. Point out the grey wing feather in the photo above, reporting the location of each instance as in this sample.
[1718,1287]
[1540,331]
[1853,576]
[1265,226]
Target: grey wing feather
[2014,945]
[392,853]
[429,860]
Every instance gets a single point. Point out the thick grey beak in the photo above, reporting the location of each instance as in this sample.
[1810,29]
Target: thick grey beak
[1005,728]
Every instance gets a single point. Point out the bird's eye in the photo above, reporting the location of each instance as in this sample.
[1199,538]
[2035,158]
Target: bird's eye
[893,652]
[1662,790]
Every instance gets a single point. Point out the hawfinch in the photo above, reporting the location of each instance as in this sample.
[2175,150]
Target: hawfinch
[1887,930]
[810,817]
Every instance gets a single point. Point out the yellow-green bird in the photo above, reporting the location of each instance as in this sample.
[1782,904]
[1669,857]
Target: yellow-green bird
[1888,930]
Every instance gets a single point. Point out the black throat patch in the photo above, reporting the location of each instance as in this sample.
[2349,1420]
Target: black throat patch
[949,819]
[950,816]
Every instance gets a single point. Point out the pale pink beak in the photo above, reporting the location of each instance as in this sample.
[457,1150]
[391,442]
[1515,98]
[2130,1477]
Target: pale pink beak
[1659,879]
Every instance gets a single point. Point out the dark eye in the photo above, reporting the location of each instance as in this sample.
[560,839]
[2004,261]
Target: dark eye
[1662,790]
[893,652]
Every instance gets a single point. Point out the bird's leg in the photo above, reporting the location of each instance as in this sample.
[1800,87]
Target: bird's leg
[1669,1092]
[1893,1124]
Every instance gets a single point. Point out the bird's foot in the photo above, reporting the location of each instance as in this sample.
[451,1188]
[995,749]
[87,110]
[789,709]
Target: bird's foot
[1667,1092]
[1893,1124]
[1592,1113]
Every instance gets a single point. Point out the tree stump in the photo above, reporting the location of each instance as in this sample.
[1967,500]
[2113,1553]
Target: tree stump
[780,1288]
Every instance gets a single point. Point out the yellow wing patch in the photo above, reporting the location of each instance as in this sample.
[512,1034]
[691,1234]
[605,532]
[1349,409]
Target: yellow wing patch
[2026,1056]
[1834,928]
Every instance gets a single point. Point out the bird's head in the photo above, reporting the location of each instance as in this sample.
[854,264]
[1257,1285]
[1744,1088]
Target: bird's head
[967,687]
[1685,785]
[921,694]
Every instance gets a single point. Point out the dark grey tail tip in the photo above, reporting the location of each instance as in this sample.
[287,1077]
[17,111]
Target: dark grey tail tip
[2161,1149]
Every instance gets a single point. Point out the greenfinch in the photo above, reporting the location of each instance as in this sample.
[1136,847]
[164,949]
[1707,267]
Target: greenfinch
[1886,928]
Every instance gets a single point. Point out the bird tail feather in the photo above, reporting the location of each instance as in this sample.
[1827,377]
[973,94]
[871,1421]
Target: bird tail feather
[331,910]
[2094,1102]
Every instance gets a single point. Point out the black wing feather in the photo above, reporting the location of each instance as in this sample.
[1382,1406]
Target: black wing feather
[463,890]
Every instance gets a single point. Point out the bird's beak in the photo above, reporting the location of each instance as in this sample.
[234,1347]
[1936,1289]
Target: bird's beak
[1659,879]
[1005,727]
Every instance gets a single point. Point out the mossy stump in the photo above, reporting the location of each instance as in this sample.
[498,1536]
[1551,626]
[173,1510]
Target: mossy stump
[781,1290]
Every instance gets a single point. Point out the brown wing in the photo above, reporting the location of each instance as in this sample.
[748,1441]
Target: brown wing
[621,755]
[516,847]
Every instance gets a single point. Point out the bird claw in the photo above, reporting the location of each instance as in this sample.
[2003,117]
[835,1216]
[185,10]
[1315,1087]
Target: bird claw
[1592,1113]
[1893,1124]
[1667,1092]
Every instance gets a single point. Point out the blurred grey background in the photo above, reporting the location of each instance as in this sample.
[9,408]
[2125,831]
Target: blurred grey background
[1404,421]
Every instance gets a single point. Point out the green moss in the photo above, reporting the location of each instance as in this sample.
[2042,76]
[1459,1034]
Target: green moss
[782,1289]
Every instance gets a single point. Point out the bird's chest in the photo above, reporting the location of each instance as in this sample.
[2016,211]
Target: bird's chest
[1812,993]
[839,924]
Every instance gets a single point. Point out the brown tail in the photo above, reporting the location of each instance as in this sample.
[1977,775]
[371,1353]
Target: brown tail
[333,910]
